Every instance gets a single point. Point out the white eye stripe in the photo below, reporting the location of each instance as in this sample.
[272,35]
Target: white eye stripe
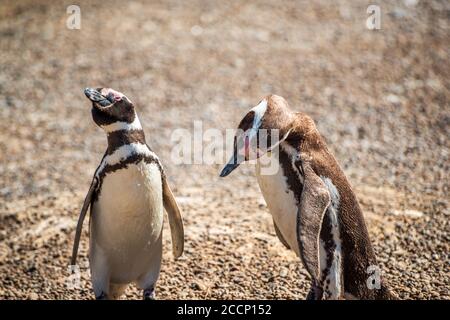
[259,111]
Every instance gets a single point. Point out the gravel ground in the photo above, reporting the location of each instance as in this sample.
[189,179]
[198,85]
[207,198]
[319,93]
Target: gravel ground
[380,98]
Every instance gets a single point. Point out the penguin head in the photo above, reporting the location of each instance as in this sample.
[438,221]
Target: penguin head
[255,134]
[110,107]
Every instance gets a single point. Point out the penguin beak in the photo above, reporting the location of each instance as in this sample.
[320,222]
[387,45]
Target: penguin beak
[232,164]
[237,158]
[97,98]
[229,167]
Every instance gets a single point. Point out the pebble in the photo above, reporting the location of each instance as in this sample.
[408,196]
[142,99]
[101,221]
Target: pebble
[283,272]
[33,296]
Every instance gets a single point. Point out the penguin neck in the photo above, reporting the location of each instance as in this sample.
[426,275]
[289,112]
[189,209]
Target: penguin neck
[119,138]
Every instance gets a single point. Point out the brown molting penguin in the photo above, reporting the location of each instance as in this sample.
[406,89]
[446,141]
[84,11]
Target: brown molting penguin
[127,195]
[314,208]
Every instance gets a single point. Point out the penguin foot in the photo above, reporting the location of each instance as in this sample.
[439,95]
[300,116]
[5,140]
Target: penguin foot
[102,296]
[149,294]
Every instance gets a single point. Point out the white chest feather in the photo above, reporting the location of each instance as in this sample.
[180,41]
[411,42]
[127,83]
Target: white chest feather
[281,203]
[128,216]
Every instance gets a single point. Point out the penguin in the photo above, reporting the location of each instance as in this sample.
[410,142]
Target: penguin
[126,198]
[314,209]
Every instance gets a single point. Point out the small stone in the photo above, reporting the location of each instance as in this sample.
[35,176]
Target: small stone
[283,272]
[33,296]
[392,98]
[196,30]
[198,285]
[237,280]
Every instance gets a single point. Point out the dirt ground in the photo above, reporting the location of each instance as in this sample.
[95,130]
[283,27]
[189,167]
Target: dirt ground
[380,98]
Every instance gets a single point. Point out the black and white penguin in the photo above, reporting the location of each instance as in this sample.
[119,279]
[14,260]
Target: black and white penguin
[127,195]
[314,209]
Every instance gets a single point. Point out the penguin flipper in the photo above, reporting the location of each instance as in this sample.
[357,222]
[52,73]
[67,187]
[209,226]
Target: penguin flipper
[314,201]
[86,204]
[175,220]
[280,236]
